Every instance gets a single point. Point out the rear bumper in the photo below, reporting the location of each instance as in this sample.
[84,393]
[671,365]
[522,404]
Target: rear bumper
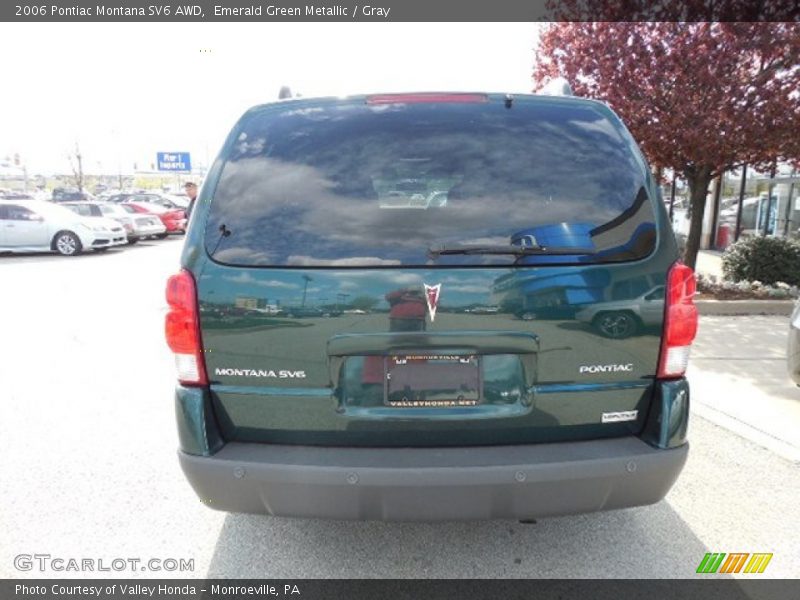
[145,230]
[175,226]
[420,484]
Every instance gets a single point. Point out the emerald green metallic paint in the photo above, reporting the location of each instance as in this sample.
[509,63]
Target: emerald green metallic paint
[668,420]
[534,308]
[197,429]
[551,349]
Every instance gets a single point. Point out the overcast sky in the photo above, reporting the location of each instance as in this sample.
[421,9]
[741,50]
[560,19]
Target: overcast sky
[125,91]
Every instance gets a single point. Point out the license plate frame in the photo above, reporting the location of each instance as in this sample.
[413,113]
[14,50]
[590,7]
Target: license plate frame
[458,377]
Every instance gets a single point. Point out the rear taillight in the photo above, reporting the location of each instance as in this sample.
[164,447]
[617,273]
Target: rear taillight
[182,329]
[680,321]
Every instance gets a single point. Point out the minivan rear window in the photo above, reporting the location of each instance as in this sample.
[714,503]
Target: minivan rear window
[353,184]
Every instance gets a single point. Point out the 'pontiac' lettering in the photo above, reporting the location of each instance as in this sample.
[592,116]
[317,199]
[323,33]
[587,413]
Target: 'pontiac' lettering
[605,368]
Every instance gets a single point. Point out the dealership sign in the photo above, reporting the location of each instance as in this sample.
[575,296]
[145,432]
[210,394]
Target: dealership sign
[174,161]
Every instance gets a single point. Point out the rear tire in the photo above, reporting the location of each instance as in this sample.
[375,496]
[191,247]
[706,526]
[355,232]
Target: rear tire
[616,325]
[161,236]
[67,243]
[132,241]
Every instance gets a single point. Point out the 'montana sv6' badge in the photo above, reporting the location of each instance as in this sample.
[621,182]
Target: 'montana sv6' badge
[432,298]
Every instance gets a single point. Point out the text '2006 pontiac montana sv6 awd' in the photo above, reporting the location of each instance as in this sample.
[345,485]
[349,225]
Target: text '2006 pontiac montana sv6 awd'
[431,306]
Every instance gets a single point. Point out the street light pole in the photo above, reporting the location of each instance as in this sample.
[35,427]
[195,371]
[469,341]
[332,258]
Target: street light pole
[772,174]
[741,202]
[672,197]
[305,288]
[341,298]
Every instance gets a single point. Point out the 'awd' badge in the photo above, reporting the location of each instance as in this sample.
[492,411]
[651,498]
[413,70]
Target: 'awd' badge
[432,297]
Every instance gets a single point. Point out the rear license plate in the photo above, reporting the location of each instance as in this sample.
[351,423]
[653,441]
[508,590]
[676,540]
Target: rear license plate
[432,381]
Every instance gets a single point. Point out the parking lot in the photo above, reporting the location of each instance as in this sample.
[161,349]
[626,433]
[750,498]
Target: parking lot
[87,453]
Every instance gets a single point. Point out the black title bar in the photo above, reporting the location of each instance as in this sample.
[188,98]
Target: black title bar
[397,11]
[712,588]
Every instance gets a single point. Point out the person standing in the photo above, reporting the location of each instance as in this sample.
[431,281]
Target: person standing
[190,188]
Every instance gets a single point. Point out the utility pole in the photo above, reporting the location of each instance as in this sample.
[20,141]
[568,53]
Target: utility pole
[305,287]
[80,168]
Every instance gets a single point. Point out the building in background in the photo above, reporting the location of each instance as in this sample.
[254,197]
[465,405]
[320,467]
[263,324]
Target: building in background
[758,204]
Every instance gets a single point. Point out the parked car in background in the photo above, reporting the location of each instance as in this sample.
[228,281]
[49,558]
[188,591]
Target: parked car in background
[793,353]
[174,220]
[104,195]
[70,195]
[142,225]
[136,226]
[621,319]
[179,200]
[85,209]
[35,226]
[484,310]
[157,198]
[303,312]
[16,196]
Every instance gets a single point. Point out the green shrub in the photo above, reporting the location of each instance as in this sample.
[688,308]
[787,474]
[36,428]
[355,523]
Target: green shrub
[765,259]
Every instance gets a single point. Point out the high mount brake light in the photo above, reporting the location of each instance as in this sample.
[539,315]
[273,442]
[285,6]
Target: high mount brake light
[426,97]
[182,329]
[680,321]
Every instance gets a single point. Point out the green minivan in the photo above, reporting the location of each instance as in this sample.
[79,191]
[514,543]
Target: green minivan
[431,306]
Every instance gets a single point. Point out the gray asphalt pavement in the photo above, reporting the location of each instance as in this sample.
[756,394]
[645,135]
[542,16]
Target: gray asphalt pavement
[87,457]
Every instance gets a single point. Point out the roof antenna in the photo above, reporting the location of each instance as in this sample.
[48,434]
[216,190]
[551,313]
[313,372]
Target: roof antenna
[284,93]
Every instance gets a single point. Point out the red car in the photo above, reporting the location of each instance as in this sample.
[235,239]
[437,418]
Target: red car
[174,219]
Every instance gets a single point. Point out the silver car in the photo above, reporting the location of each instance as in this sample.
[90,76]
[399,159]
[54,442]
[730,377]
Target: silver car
[136,226]
[36,226]
[623,318]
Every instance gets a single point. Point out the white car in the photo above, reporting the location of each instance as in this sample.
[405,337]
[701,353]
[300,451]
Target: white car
[36,226]
[136,226]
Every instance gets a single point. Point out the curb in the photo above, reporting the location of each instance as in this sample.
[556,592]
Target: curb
[745,307]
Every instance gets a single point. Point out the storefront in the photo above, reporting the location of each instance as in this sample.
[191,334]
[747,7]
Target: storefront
[741,203]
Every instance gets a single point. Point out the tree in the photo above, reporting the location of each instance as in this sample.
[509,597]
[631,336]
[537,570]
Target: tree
[700,98]
[364,303]
[76,163]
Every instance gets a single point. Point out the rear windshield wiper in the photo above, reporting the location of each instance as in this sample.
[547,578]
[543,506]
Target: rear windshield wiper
[510,250]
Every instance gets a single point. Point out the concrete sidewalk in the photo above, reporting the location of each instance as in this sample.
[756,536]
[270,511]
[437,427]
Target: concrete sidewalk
[709,262]
[739,381]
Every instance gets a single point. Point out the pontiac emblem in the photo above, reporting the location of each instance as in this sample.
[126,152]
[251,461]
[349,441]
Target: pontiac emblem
[432,298]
